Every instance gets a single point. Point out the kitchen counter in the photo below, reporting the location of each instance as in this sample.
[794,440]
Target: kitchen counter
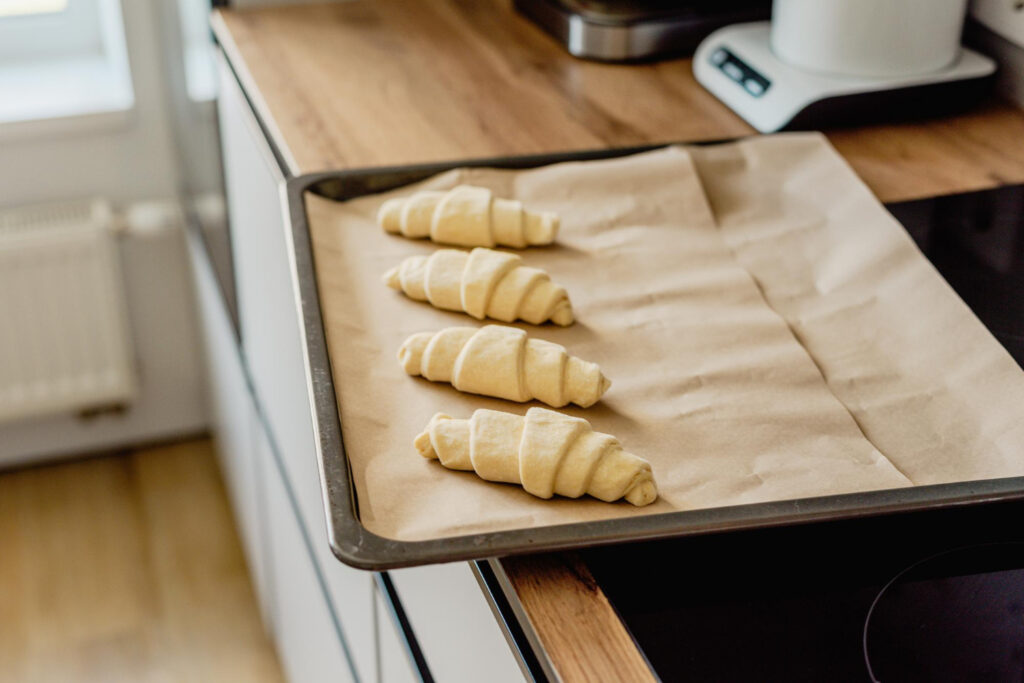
[385,83]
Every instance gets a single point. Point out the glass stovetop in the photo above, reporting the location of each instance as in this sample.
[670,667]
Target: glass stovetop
[932,596]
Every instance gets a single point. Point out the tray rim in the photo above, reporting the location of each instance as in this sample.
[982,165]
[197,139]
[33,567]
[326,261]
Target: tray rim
[357,546]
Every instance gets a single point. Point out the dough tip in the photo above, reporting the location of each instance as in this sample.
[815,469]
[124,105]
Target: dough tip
[410,355]
[542,228]
[422,442]
[562,314]
[389,216]
[643,494]
[423,446]
[589,397]
[391,279]
[403,356]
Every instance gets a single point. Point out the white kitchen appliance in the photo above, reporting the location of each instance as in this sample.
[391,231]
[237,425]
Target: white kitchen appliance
[826,62]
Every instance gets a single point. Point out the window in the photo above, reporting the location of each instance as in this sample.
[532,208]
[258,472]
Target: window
[13,8]
[200,78]
[47,29]
[62,58]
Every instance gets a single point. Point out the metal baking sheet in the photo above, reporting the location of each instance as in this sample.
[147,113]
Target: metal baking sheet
[354,545]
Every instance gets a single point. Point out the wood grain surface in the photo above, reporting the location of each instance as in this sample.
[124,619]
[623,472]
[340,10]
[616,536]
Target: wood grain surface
[126,568]
[579,630]
[359,84]
[362,84]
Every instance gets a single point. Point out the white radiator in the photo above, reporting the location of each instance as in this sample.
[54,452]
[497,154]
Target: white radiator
[64,340]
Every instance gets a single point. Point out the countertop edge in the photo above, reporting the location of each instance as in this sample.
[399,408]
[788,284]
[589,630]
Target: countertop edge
[252,92]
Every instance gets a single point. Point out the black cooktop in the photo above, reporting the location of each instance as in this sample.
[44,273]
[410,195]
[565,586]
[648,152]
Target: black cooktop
[929,596]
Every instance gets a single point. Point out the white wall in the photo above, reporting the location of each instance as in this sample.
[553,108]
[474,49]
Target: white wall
[126,162]
[133,160]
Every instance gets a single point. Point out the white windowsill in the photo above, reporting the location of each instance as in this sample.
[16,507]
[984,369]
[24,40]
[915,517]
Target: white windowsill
[64,95]
[200,76]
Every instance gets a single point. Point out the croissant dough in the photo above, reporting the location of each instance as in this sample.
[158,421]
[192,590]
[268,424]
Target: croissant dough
[467,216]
[484,283]
[545,451]
[500,361]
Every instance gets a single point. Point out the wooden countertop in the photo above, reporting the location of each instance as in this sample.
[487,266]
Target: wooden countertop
[388,82]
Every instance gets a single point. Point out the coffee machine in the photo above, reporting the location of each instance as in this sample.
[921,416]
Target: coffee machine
[828,62]
[634,30]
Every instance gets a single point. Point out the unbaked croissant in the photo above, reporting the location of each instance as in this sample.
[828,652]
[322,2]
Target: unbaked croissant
[469,217]
[500,361]
[484,283]
[545,451]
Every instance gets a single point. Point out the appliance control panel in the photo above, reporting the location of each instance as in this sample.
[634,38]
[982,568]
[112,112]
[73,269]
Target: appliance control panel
[741,72]
[737,65]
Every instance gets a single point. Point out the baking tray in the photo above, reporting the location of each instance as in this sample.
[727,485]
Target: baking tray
[354,545]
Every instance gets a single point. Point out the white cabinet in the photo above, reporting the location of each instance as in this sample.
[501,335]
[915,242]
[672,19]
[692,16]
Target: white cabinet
[454,625]
[267,308]
[329,621]
[305,630]
[272,347]
[393,659]
[351,595]
[234,420]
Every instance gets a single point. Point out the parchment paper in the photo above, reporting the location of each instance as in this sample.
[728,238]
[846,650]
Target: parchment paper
[770,333]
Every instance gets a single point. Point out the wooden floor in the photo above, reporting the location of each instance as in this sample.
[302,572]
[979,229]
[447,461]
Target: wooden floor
[126,568]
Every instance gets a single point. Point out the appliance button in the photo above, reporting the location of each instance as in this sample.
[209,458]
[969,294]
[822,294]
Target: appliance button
[753,87]
[719,56]
[733,71]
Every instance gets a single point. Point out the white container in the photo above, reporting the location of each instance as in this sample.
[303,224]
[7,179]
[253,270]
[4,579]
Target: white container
[868,38]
